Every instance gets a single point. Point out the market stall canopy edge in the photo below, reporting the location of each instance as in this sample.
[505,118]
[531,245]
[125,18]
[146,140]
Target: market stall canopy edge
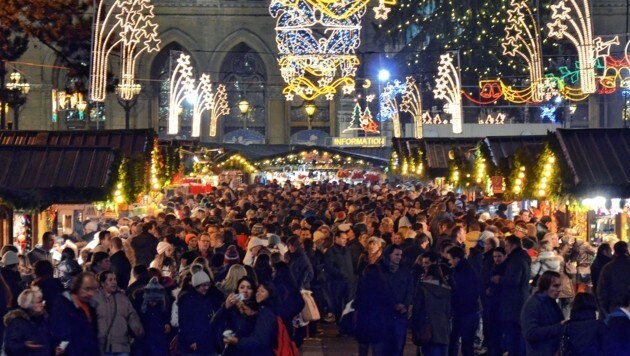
[35,177]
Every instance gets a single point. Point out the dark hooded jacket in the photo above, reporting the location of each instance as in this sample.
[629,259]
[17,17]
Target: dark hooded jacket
[20,328]
[432,302]
[515,285]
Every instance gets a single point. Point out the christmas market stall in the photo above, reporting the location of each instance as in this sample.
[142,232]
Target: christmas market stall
[35,178]
[599,180]
[138,179]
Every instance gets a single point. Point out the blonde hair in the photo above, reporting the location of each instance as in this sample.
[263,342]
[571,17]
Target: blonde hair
[27,298]
[229,284]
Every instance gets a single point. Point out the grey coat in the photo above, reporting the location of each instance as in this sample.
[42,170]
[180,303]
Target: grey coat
[541,324]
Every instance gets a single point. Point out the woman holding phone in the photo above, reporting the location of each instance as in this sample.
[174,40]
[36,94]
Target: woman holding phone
[237,316]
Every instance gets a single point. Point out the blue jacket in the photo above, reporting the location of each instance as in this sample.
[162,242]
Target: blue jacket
[617,335]
[541,324]
[195,313]
[69,323]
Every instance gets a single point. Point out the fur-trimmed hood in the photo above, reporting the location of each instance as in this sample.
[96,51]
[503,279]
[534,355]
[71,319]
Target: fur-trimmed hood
[15,314]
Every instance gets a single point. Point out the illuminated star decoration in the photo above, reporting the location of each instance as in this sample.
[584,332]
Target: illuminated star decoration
[219,108]
[389,106]
[381,11]
[181,84]
[127,23]
[522,39]
[574,22]
[549,112]
[448,87]
[412,103]
[493,120]
[317,41]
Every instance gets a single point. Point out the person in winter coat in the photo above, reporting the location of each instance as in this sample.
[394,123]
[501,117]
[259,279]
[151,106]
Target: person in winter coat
[115,317]
[465,303]
[604,255]
[74,320]
[196,309]
[289,297]
[145,244]
[617,335]
[583,333]
[68,267]
[299,263]
[50,287]
[432,305]
[26,330]
[491,302]
[120,264]
[547,260]
[11,275]
[614,281]
[340,273]
[373,305]
[164,260]
[542,318]
[514,286]
[400,284]
[154,316]
[263,338]
[238,314]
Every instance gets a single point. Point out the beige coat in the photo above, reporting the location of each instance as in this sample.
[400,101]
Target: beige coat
[116,318]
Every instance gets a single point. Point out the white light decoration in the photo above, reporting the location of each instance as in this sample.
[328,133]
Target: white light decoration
[522,39]
[381,12]
[412,103]
[206,100]
[435,120]
[389,106]
[448,87]
[128,23]
[219,108]
[493,120]
[572,19]
[317,41]
[181,83]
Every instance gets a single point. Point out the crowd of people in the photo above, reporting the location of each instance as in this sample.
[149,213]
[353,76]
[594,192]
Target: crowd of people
[231,272]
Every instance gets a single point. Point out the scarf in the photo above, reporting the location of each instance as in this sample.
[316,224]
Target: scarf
[83,306]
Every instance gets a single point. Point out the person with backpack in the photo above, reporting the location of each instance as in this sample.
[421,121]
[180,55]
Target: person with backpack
[265,339]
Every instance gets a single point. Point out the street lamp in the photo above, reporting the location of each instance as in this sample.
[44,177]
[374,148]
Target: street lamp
[127,98]
[310,110]
[17,88]
[243,107]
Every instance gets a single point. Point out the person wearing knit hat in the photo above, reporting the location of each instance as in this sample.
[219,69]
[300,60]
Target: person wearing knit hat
[154,295]
[196,308]
[199,279]
[231,256]
[164,260]
[9,258]
[318,235]
[191,241]
[155,317]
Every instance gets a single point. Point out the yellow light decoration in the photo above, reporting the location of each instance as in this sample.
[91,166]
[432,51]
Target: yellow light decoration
[130,26]
[547,174]
[317,41]
[522,39]
[572,19]
[181,83]
[412,103]
[448,87]
[435,120]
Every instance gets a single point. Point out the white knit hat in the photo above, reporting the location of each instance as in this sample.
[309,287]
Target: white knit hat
[200,278]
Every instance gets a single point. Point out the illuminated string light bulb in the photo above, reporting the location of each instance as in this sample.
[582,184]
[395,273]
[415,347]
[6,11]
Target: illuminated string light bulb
[412,103]
[523,39]
[127,23]
[181,84]
[448,87]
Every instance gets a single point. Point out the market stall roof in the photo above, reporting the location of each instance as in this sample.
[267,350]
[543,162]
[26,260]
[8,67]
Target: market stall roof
[598,160]
[256,153]
[506,147]
[38,176]
[129,142]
